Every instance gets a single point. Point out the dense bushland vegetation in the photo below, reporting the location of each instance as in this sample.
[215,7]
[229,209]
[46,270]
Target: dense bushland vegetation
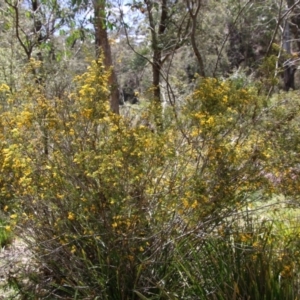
[191,194]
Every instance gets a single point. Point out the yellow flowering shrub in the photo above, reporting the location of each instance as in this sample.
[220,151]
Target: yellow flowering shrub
[99,196]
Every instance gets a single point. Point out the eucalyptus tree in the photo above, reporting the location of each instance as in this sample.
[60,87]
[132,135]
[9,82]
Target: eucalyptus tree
[169,26]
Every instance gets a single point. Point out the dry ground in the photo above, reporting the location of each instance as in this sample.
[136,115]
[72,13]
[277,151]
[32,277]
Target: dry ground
[13,259]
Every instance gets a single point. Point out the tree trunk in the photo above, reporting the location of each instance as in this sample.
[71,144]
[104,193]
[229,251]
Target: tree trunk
[157,49]
[156,69]
[289,67]
[193,16]
[197,52]
[102,44]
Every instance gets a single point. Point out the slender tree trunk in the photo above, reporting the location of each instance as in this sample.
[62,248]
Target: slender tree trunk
[193,15]
[157,49]
[102,44]
[157,56]
[156,69]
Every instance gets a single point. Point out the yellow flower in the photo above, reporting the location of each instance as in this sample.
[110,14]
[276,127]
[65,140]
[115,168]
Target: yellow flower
[7,228]
[114,225]
[195,204]
[71,216]
[5,208]
[4,87]
[73,250]
[14,216]
[185,203]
